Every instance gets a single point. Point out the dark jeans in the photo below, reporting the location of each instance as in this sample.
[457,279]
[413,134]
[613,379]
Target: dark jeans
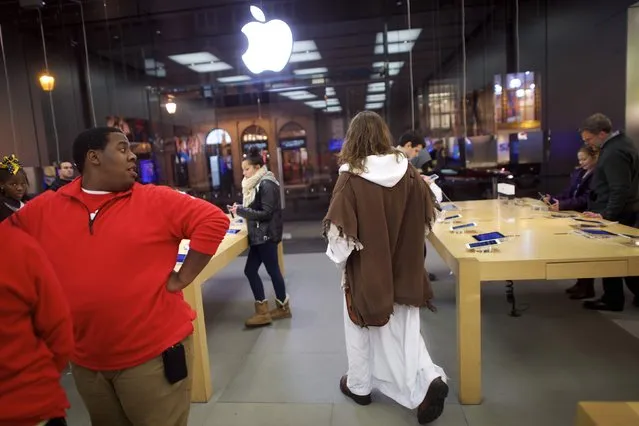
[57,422]
[613,287]
[264,253]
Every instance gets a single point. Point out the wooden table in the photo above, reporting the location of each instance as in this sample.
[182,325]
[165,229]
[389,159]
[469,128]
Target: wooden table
[607,414]
[231,247]
[540,248]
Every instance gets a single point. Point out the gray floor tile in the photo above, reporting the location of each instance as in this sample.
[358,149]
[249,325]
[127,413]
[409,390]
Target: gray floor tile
[231,414]
[287,377]
[387,413]
[290,339]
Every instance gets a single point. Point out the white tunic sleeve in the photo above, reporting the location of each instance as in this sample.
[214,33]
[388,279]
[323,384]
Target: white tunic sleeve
[340,247]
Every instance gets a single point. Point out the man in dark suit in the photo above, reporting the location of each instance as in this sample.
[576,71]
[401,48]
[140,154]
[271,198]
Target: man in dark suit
[614,196]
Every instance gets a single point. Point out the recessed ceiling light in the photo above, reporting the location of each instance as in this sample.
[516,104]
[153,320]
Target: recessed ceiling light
[376,105]
[194,58]
[302,97]
[316,104]
[391,65]
[399,36]
[395,48]
[375,98]
[234,79]
[304,46]
[211,67]
[160,72]
[309,71]
[376,87]
[334,109]
[298,95]
[305,57]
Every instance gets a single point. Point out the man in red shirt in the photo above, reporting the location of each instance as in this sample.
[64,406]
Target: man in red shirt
[132,326]
[36,334]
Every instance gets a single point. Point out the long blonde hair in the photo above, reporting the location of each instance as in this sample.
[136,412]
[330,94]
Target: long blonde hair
[367,135]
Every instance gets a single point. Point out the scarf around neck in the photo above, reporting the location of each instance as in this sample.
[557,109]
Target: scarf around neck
[250,185]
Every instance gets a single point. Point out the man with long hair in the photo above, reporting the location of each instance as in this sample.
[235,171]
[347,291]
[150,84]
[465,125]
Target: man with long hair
[376,224]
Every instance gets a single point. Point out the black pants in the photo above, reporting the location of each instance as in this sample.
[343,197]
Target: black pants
[613,287]
[264,253]
[56,422]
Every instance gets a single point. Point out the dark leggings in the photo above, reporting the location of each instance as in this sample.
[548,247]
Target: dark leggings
[56,422]
[264,253]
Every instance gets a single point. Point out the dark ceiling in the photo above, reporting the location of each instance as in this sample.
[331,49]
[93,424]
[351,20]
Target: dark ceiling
[128,32]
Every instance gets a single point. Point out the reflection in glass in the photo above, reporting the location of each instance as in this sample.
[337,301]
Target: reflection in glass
[517,101]
[295,164]
[255,137]
[220,160]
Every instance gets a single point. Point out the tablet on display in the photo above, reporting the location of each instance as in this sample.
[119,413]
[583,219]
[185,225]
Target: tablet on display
[489,236]
[598,232]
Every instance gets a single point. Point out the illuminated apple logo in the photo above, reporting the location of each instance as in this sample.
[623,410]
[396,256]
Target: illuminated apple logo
[269,43]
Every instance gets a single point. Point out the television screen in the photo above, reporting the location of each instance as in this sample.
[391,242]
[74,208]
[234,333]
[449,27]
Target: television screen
[335,145]
[147,171]
[292,144]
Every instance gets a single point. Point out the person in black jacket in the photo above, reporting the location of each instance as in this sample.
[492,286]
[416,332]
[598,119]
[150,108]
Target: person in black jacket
[575,198]
[614,196]
[65,175]
[263,212]
[13,186]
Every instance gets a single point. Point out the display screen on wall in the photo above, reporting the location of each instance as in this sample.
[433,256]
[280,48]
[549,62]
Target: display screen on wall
[289,144]
[147,171]
[260,146]
[335,145]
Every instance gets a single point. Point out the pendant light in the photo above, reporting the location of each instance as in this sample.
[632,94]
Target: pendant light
[47,81]
[170,106]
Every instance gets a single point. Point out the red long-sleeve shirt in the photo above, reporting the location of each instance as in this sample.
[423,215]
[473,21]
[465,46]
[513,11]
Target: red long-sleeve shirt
[113,254]
[36,335]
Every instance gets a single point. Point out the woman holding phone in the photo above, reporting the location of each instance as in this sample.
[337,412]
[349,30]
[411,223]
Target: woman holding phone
[575,198]
[263,212]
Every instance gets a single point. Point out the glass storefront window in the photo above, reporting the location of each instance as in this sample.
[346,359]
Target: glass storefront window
[295,165]
[219,160]
[255,137]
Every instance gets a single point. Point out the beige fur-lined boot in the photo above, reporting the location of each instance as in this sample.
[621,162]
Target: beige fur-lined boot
[262,316]
[282,309]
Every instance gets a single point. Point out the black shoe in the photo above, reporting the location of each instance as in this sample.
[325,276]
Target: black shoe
[433,404]
[600,305]
[580,295]
[432,277]
[573,289]
[359,399]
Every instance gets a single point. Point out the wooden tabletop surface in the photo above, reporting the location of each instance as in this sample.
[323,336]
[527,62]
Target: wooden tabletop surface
[532,234]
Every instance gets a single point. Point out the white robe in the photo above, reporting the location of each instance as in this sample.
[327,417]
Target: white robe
[392,358]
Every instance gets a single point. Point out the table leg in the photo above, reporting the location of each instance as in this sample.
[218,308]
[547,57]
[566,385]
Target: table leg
[280,256]
[469,331]
[202,388]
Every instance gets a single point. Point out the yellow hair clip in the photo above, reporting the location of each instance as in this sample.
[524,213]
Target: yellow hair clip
[11,164]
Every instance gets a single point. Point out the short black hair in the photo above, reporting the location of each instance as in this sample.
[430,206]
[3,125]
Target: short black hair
[413,137]
[95,138]
[596,123]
